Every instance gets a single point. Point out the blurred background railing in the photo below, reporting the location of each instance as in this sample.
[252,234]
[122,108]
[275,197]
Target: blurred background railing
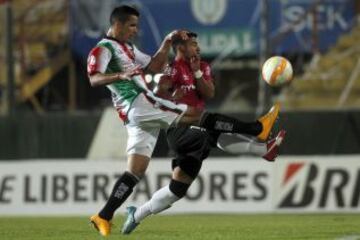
[40,43]
[48,109]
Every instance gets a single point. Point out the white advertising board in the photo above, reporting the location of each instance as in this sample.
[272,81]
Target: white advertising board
[317,184]
[81,187]
[227,185]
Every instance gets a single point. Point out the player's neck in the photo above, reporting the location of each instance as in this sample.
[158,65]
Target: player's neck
[180,57]
[110,34]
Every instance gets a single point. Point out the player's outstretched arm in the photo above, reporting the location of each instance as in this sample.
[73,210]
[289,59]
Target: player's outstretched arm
[100,79]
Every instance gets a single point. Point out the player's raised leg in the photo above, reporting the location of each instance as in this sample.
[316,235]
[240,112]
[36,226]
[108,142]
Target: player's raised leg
[226,124]
[240,144]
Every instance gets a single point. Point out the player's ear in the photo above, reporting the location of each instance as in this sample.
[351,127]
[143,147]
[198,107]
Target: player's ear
[181,47]
[118,25]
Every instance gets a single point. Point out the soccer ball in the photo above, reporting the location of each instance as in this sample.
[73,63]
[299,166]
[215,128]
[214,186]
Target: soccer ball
[277,71]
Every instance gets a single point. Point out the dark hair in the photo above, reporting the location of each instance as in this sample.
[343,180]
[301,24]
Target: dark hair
[178,40]
[122,14]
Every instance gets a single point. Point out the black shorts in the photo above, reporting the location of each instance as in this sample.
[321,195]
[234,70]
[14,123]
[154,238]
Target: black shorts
[194,143]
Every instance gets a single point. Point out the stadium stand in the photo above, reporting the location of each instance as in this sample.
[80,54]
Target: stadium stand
[40,35]
[331,80]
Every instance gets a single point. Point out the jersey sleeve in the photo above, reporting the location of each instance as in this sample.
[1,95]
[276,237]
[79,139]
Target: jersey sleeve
[141,58]
[98,60]
[206,69]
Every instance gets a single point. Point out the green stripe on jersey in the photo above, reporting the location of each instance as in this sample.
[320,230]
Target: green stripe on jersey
[126,91]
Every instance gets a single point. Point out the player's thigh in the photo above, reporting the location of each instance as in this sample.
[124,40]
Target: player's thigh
[186,140]
[141,141]
[191,147]
[147,115]
[192,116]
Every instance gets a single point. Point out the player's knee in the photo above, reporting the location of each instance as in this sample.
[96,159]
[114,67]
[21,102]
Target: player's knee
[208,119]
[178,188]
[181,176]
[193,112]
[191,167]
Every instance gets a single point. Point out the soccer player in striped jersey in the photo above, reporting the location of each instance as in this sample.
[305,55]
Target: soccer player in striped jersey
[119,65]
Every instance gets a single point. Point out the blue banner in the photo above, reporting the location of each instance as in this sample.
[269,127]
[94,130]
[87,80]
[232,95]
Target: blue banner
[301,25]
[229,27]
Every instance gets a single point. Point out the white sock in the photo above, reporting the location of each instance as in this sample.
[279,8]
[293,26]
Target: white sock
[142,212]
[160,200]
[238,143]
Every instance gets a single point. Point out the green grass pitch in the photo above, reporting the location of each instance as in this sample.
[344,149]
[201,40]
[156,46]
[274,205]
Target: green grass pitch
[207,227]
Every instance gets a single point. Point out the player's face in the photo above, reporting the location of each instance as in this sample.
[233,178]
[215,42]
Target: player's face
[127,30]
[192,48]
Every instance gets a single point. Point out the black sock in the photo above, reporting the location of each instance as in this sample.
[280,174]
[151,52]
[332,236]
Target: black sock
[121,191]
[226,124]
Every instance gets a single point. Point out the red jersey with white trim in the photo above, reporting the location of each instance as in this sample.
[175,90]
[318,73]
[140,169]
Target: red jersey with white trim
[183,78]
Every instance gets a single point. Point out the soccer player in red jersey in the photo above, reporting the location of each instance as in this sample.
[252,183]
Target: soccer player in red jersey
[188,80]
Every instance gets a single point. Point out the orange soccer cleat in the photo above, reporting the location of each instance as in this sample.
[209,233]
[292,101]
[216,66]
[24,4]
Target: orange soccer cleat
[102,225]
[268,121]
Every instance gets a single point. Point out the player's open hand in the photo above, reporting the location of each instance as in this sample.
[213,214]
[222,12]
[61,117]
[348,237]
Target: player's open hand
[183,34]
[130,73]
[195,62]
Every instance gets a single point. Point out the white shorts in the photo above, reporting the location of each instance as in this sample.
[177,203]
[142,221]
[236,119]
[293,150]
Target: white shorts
[144,123]
[141,141]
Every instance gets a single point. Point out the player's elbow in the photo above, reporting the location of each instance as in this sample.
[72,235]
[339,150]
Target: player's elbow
[209,94]
[94,82]
[155,68]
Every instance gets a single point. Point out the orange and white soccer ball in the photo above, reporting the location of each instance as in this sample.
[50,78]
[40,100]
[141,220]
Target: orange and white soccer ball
[277,71]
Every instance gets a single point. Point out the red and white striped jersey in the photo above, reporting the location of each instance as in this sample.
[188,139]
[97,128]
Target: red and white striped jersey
[111,56]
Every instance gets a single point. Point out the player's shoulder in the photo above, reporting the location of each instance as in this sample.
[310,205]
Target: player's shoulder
[98,51]
[106,45]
